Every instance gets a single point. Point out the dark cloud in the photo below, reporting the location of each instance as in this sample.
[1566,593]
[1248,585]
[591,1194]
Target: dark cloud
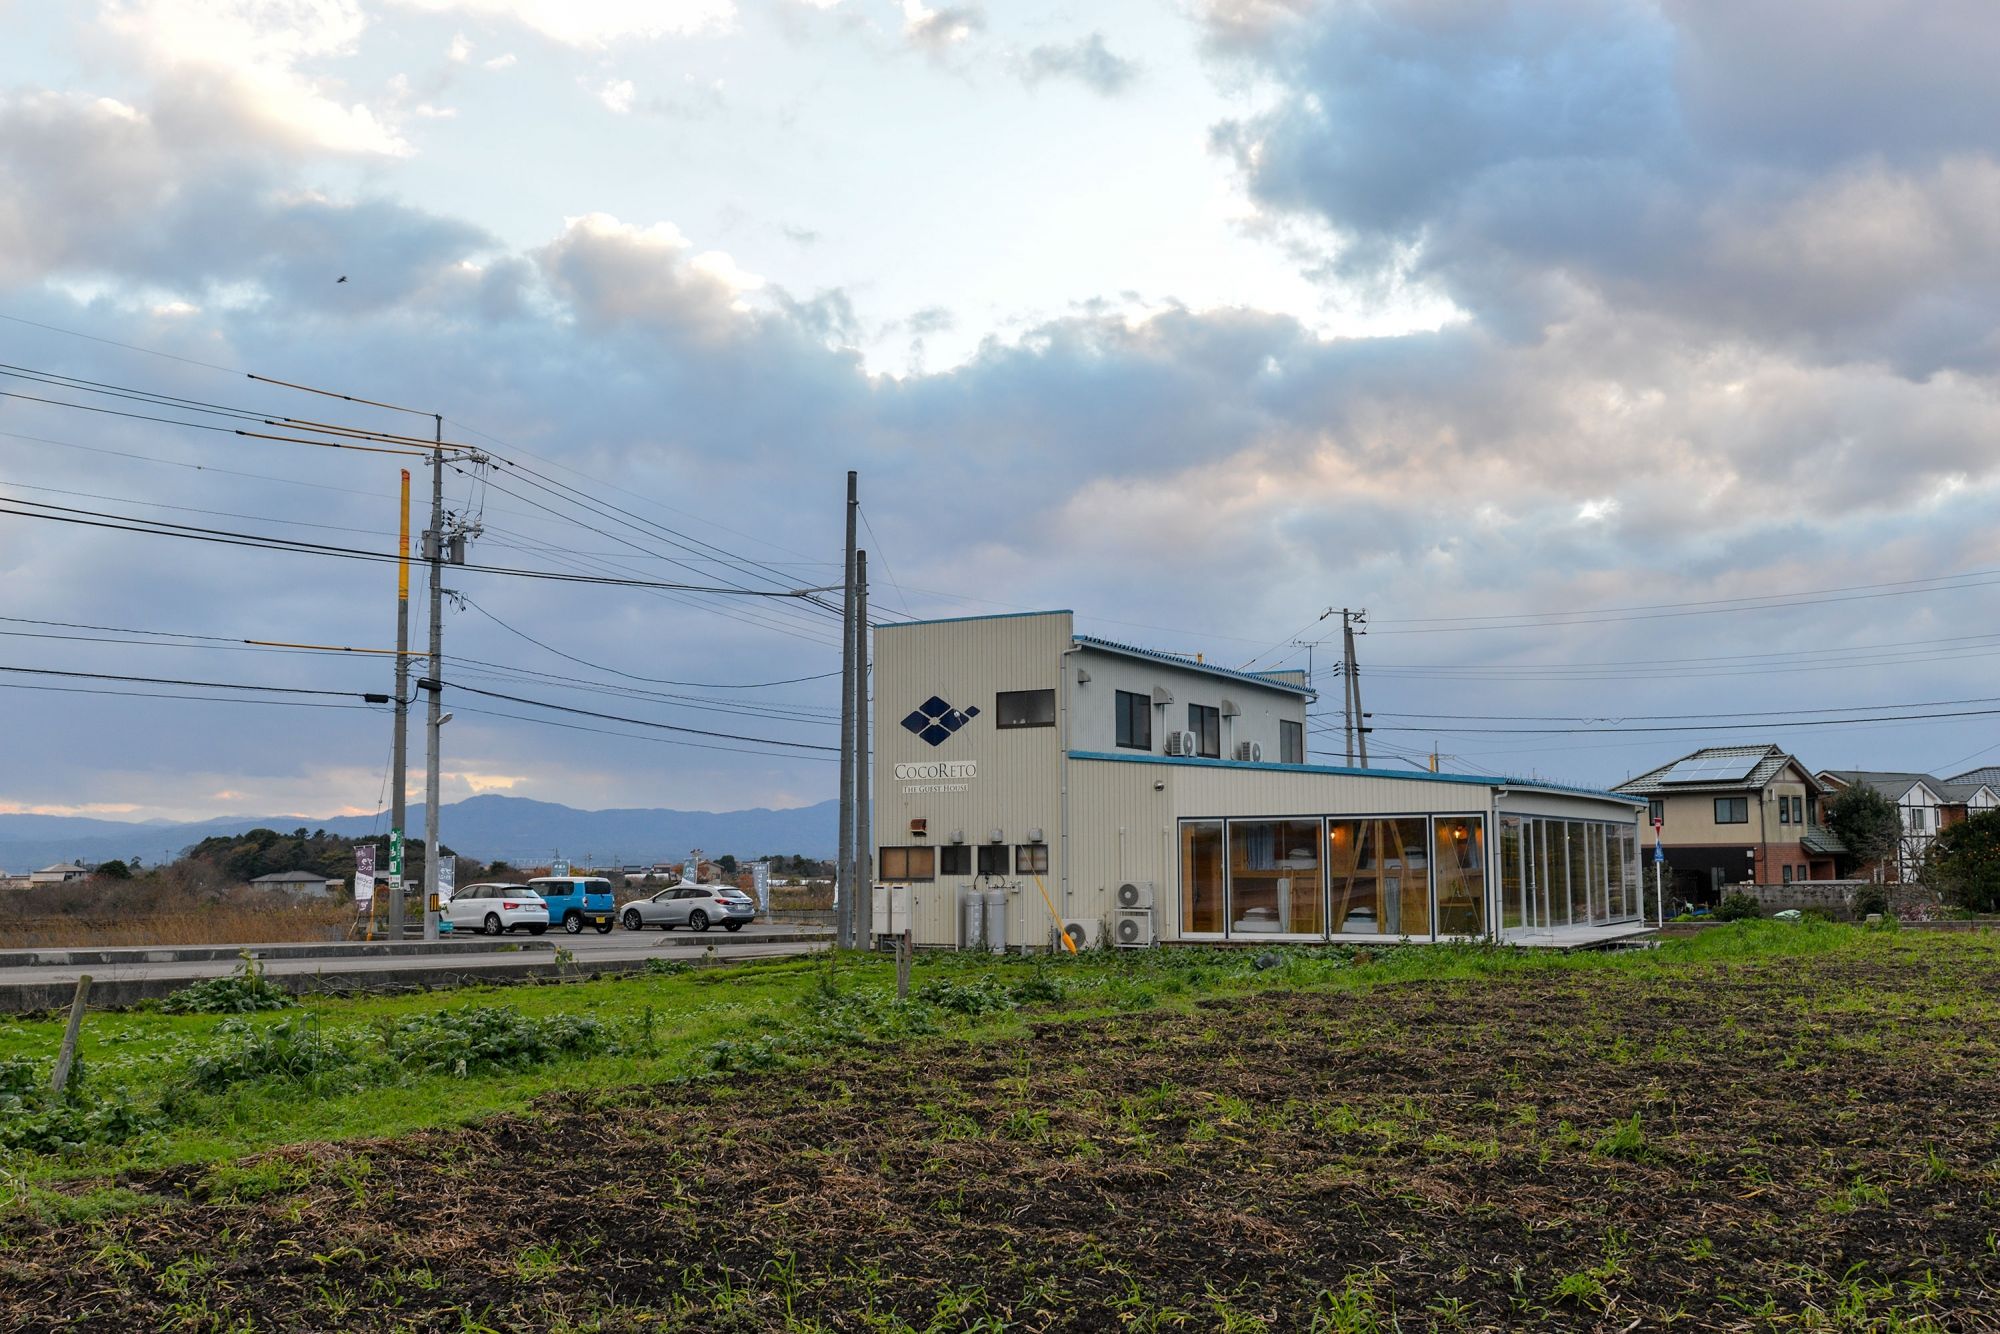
[1827,190]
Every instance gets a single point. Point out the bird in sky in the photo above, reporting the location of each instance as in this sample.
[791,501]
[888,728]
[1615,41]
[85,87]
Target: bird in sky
[341,279]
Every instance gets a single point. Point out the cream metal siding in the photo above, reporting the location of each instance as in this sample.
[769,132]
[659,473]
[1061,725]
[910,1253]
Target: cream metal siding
[1017,785]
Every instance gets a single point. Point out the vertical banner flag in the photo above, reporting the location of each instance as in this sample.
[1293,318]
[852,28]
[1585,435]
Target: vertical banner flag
[447,879]
[760,881]
[364,875]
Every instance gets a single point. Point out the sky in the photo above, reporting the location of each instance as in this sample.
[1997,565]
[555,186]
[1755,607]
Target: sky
[1632,364]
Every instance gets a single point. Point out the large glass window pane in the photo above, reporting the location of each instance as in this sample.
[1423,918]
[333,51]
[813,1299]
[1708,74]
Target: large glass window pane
[1513,877]
[1460,856]
[1201,876]
[1605,880]
[1274,882]
[1578,841]
[1628,861]
[1378,873]
[1134,720]
[1544,873]
[1024,708]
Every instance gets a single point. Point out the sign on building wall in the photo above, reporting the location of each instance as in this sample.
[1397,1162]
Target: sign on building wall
[937,775]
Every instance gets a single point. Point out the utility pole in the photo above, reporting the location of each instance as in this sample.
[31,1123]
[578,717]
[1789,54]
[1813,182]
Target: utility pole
[864,833]
[843,894]
[434,551]
[400,760]
[1352,671]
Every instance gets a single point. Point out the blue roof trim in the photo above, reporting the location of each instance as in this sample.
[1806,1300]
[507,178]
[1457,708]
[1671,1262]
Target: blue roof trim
[1414,775]
[1189,664]
[997,616]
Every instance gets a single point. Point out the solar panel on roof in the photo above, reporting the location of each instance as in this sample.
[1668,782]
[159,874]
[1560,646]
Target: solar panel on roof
[1711,769]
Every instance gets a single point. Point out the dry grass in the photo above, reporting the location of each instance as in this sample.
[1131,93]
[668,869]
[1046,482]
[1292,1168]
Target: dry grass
[220,924]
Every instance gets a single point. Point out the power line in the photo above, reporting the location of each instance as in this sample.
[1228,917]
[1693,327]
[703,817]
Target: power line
[1693,727]
[650,680]
[638,722]
[633,736]
[1665,717]
[161,528]
[112,342]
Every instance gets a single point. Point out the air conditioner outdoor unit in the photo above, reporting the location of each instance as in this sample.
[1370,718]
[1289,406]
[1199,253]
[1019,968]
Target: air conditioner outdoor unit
[1251,751]
[1133,929]
[1136,894]
[1180,743]
[1082,933]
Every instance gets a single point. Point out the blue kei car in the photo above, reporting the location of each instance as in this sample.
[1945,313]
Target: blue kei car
[576,900]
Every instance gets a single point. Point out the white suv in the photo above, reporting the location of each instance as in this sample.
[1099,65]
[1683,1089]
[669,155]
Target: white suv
[498,909]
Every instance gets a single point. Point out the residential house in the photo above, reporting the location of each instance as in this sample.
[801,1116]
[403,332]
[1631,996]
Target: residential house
[1928,805]
[1727,814]
[59,874]
[308,883]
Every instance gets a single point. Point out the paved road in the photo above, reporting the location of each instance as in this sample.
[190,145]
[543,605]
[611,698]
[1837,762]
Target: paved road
[129,977]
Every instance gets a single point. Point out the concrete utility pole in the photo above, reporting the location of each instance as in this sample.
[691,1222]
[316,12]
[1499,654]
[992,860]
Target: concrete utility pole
[434,551]
[399,762]
[843,873]
[1348,620]
[864,833]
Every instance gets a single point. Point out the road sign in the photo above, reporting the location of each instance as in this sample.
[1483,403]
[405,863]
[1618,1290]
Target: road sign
[1659,853]
[396,855]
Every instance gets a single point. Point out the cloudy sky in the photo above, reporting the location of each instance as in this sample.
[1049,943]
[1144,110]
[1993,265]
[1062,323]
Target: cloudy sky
[1627,361]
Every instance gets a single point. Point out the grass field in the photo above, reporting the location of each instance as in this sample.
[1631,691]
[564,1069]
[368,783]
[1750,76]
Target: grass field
[1769,1127]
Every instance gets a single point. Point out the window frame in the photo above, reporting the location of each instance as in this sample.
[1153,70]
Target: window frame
[1784,809]
[1036,854]
[908,876]
[954,849]
[1001,719]
[1735,804]
[1006,859]
[1201,718]
[1132,720]
[1656,811]
[1291,742]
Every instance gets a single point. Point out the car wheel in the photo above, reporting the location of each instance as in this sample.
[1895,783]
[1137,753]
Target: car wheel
[604,926]
[632,919]
[573,922]
[493,927]
[732,926]
[698,920]
[537,930]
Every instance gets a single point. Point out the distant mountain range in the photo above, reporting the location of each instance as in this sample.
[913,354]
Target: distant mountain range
[488,827]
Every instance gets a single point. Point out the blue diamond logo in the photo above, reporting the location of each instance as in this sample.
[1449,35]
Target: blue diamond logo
[934,720]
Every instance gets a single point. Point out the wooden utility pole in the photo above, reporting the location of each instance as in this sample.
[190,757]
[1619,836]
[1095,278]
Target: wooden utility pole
[1351,669]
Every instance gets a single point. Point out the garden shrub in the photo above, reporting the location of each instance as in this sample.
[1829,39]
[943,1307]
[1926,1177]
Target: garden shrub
[1738,907]
[291,1051]
[1871,899]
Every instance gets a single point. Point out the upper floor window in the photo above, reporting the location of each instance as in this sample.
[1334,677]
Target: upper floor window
[993,859]
[955,859]
[1732,810]
[1206,724]
[1031,859]
[1784,810]
[1024,708]
[1656,811]
[1135,721]
[1798,810]
[1291,742]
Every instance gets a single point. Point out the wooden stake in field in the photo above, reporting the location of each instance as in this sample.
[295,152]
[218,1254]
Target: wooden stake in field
[67,1057]
[903,952]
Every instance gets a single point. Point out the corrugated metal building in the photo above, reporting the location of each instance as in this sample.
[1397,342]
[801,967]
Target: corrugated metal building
[1137,796]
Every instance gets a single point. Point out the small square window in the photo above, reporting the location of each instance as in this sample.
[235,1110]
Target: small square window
[1732,810]
[993,859]
[907,864]
[1031,859]
[954,859]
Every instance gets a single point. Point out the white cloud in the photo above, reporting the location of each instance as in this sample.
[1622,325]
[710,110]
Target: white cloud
[617,95]
[500,62]
[596,23]
[251,53]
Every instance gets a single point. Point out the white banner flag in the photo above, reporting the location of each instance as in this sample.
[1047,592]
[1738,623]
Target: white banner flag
[447,879]
[364,875]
